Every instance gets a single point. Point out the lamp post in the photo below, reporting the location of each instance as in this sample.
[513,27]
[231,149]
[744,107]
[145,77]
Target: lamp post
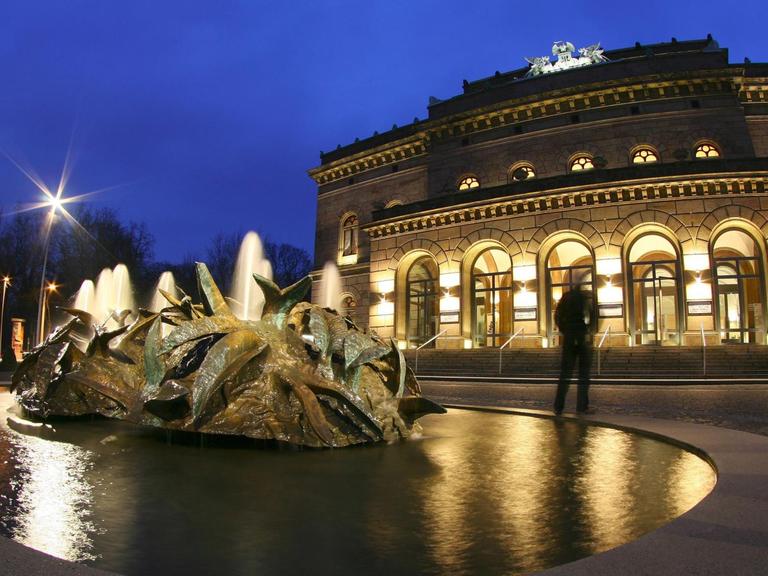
[55,203]
[6,283]
[46,297]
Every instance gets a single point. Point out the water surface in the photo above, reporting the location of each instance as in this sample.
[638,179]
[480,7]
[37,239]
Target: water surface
[478,493]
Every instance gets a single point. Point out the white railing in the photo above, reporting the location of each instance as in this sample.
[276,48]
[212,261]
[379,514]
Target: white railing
[435,337]
[600,347]
[508,342]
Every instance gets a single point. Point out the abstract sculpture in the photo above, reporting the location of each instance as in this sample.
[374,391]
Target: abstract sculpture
[302,374]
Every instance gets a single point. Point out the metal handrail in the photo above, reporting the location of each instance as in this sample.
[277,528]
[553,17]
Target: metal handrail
[519,331]
[703,351]
[599,348]
[435,337]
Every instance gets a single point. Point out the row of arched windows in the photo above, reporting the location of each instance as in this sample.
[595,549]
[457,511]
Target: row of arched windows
[663,294]
[580,162]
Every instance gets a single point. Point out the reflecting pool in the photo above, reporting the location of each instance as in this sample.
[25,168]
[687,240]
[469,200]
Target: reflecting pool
[478,492]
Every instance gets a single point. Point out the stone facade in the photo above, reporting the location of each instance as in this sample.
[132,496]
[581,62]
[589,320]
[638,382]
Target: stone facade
[655,242]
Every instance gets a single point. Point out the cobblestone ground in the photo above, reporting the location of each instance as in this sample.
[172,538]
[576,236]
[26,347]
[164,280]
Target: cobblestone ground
[742,407]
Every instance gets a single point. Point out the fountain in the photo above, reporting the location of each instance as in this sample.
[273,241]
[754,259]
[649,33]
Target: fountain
[330,288]
[246,298]
[85,299]
[103,305]
[112,293]
[166,283]
[302,374]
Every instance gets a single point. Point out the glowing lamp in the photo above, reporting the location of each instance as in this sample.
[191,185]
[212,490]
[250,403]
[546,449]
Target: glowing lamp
[608,266]
[524,273]
[696,262]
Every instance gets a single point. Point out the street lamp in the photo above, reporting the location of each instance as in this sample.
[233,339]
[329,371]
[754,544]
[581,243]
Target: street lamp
[55,202]
[52,286]
[6,283]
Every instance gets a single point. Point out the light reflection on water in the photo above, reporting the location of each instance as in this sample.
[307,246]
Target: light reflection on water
[52,497]
[479,490]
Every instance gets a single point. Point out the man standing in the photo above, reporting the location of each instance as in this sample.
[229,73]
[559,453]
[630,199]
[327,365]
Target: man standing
[572,317]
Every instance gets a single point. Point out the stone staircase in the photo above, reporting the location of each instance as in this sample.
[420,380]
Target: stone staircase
[726,363]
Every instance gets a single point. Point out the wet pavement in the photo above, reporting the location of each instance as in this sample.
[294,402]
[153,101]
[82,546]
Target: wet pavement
[741,407]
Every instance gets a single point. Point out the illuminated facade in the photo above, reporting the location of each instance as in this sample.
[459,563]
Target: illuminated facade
[642,176]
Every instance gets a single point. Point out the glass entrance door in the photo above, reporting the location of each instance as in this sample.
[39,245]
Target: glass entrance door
[655,302]
[562,279]
[422,308]
[492,313]
[740,311]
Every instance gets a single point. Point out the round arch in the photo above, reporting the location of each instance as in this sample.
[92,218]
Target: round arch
[738,281]
[582,229]
[469,256]
[643,154]
[651,255]
[578,268]
[666,222]
[735,213]
[401,288]
[419,244]
[501,237]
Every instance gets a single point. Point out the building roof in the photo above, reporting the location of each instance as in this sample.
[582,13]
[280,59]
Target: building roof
[638,60]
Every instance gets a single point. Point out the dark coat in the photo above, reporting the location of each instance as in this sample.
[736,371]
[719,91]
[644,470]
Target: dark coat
[571,312]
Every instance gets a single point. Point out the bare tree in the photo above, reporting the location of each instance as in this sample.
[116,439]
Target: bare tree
[289,263]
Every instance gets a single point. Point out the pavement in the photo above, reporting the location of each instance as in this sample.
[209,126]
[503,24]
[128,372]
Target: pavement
[737,406]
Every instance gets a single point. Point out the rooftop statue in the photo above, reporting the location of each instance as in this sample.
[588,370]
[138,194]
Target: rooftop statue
[302,374]
[565,59]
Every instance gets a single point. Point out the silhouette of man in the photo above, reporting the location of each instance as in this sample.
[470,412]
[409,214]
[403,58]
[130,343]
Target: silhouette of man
[572,317]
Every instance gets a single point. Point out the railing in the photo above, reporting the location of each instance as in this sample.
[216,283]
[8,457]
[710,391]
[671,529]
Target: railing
[703,351]
[435,337]
[508,342]
[600,347]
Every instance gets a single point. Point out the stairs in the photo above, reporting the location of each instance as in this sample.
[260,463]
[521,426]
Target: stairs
[649,364]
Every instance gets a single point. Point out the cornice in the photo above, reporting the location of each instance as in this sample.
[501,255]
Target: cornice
[589,196]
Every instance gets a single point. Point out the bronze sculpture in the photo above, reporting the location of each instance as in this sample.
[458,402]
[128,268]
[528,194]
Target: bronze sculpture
[302,374]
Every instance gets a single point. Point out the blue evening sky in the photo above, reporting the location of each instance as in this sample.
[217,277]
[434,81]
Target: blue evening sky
[207,114]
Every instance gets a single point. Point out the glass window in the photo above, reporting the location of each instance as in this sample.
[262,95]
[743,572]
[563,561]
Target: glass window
[468,183]
[738,283]
[644,156]
[707,151]
[422,308]
[569,264]
[523,172]
[581,163]
[348,306]
[349,236]
[655,291]
[492,297]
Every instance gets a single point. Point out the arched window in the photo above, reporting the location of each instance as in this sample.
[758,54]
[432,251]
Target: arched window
[468,183]
[644,155]
[348,306]
[653,274]
[738,280]
[491,297]
[349,227]
[706,150]
[522,171]
[569,264]
[582,162]
[393,203]
[422,292]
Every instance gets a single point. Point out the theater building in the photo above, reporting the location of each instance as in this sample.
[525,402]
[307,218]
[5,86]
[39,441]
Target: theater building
[640,174]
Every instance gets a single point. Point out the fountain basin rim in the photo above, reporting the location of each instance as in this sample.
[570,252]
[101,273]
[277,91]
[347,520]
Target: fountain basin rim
[724,517]
[591,420]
